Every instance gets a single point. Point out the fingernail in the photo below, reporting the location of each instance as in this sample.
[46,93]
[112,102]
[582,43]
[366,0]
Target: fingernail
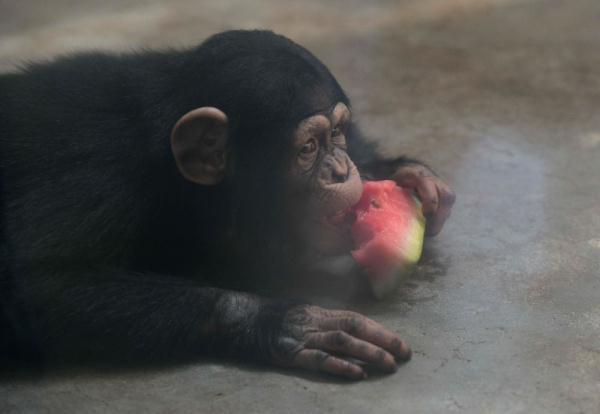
[405,357]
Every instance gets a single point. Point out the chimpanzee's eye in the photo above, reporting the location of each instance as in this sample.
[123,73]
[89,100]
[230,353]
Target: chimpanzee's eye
[336,131]
[309,147]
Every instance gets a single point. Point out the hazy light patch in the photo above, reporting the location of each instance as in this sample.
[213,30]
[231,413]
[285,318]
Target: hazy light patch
[503,184]
[590,140]
[591,320]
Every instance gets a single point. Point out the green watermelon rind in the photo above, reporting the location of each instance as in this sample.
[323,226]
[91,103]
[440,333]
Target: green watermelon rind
[389,282]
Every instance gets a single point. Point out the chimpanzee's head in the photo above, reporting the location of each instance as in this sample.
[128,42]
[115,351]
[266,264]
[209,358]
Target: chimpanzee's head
[271,122]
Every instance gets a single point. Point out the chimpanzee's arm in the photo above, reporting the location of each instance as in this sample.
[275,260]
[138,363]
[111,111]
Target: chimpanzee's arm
[122,314]
[152,316]
[436,196]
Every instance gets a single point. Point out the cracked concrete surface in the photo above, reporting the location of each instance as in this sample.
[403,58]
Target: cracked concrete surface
[502,98]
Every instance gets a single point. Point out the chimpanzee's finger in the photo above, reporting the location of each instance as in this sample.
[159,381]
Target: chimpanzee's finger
[423,185]
[386,339]
[317,360]
[347,345]
[368,330]
[427,191]
[446,201]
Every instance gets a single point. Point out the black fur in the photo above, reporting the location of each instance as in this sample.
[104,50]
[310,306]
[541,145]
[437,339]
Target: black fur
[101,234]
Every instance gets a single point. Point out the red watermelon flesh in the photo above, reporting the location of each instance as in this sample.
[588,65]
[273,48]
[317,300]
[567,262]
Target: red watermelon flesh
[388,234]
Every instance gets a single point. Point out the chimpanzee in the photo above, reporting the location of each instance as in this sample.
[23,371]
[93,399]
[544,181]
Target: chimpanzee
[141,192]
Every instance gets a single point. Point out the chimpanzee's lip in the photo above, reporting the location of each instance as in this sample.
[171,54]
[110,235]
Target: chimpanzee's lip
[342,218]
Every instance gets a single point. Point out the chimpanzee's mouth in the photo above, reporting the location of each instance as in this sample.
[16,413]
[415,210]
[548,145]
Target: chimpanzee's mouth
[342,218]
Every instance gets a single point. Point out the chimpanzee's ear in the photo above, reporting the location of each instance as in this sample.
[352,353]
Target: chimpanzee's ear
[199,142]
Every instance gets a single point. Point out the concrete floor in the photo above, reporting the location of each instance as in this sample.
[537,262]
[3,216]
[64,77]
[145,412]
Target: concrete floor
[503,98]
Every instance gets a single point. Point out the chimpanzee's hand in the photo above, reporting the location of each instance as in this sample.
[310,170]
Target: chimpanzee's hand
[435,195]
[319,339]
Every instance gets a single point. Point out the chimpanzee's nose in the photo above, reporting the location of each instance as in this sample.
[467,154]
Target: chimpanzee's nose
[339,169]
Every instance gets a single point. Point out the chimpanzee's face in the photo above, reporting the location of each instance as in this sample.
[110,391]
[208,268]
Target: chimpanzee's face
[320,182]
[323,180]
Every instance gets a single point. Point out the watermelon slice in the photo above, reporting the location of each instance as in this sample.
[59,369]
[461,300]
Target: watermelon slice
[388,234]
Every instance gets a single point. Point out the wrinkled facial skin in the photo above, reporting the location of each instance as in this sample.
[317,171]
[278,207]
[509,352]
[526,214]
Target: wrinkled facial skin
[325,180]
